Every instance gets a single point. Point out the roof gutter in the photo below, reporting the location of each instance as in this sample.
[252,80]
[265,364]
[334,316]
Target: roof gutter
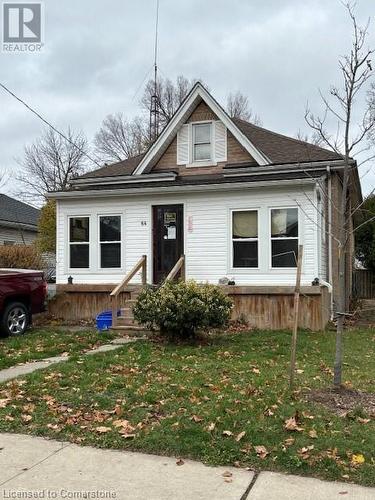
[18,225]
[124,179]
[177,189]
[278,169]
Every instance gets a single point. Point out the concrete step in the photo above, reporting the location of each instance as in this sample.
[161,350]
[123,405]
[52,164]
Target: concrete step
[130,328]
[126,312]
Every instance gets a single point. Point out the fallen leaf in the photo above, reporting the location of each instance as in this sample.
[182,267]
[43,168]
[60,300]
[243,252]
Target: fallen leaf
[102,429]
[4,402]
[52,426]
[363,420]
[118,410]
[305,414]
[289,441]
[240,436]
[227,433]
[124,426]
[180,462]
[358,459]
[26,418]
[227,473]
[313,434]
[261,451]
[211,427]
[291,425]
[127,436]
[196,419]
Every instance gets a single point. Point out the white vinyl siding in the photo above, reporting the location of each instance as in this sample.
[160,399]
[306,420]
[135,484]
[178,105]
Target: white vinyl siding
[207,234]
[18,236]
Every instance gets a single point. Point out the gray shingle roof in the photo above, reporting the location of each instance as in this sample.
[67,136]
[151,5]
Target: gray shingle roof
[12,210]
[277,147]
[281,148]
[125,167]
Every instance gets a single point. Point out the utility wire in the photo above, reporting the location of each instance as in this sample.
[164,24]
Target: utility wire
[49,125]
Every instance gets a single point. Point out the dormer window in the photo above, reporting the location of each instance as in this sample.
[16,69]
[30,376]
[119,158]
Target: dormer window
[202,146]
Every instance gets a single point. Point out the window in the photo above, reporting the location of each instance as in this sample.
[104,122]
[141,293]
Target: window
[79,237]
[110,241]
[202,142]
[245,238]
[284,237]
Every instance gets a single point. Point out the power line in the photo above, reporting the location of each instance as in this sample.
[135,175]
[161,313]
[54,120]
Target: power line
[49,124]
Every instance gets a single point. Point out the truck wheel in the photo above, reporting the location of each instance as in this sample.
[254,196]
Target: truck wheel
[15,319]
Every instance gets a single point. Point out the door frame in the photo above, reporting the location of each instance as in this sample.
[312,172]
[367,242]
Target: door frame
[152,207]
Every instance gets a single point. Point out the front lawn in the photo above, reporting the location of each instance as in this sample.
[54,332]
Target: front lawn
[223,402]
[42,343]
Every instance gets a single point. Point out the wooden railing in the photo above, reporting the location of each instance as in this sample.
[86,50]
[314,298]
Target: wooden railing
[179,266]
[141,264]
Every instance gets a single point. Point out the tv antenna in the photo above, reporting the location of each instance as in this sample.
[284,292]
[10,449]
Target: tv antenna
[154,108]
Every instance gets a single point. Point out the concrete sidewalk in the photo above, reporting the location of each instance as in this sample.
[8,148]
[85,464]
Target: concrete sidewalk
[32,366]
[43,468]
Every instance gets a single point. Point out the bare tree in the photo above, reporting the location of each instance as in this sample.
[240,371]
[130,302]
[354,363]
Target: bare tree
[50,163]
[4,178]
[238,107]
[350,139]
[169,96]
[119,138]
[314,138]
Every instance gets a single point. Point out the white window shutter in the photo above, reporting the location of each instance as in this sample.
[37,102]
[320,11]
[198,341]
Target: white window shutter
[183,146]
[220,141]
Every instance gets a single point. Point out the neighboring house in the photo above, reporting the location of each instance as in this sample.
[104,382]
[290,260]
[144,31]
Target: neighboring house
[18,222]
[234,198]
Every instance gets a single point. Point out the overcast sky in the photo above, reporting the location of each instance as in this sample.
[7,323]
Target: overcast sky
[97,54]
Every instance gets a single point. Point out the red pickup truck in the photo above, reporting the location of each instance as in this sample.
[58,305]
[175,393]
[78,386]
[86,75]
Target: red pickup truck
[22,294]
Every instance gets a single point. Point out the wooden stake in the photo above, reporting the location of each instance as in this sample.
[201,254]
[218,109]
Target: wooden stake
[296,311]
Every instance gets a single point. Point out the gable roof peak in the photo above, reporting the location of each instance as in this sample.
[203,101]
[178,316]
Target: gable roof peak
[197,92]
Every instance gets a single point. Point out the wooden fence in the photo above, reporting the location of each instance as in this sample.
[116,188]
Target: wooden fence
[363,284]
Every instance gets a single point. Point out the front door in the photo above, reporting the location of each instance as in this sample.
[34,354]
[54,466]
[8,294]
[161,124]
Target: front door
[168,238]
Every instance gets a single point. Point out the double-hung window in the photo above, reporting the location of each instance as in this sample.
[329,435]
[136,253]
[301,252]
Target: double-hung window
[79,242]
[202,147]
[245,238]
[110,241]
[284,237]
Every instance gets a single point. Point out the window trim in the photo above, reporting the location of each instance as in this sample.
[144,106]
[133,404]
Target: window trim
[231,239]
[79,269]
[100,268]
[271,238]
[201,163]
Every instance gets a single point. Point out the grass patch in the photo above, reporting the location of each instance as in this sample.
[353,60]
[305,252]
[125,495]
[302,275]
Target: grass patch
[225,402]
[40,343]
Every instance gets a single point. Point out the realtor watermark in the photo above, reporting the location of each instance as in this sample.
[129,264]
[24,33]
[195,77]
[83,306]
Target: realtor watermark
[22,27]
[62,493]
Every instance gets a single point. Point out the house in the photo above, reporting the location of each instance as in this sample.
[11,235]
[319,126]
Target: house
[233,198]
[18,222]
